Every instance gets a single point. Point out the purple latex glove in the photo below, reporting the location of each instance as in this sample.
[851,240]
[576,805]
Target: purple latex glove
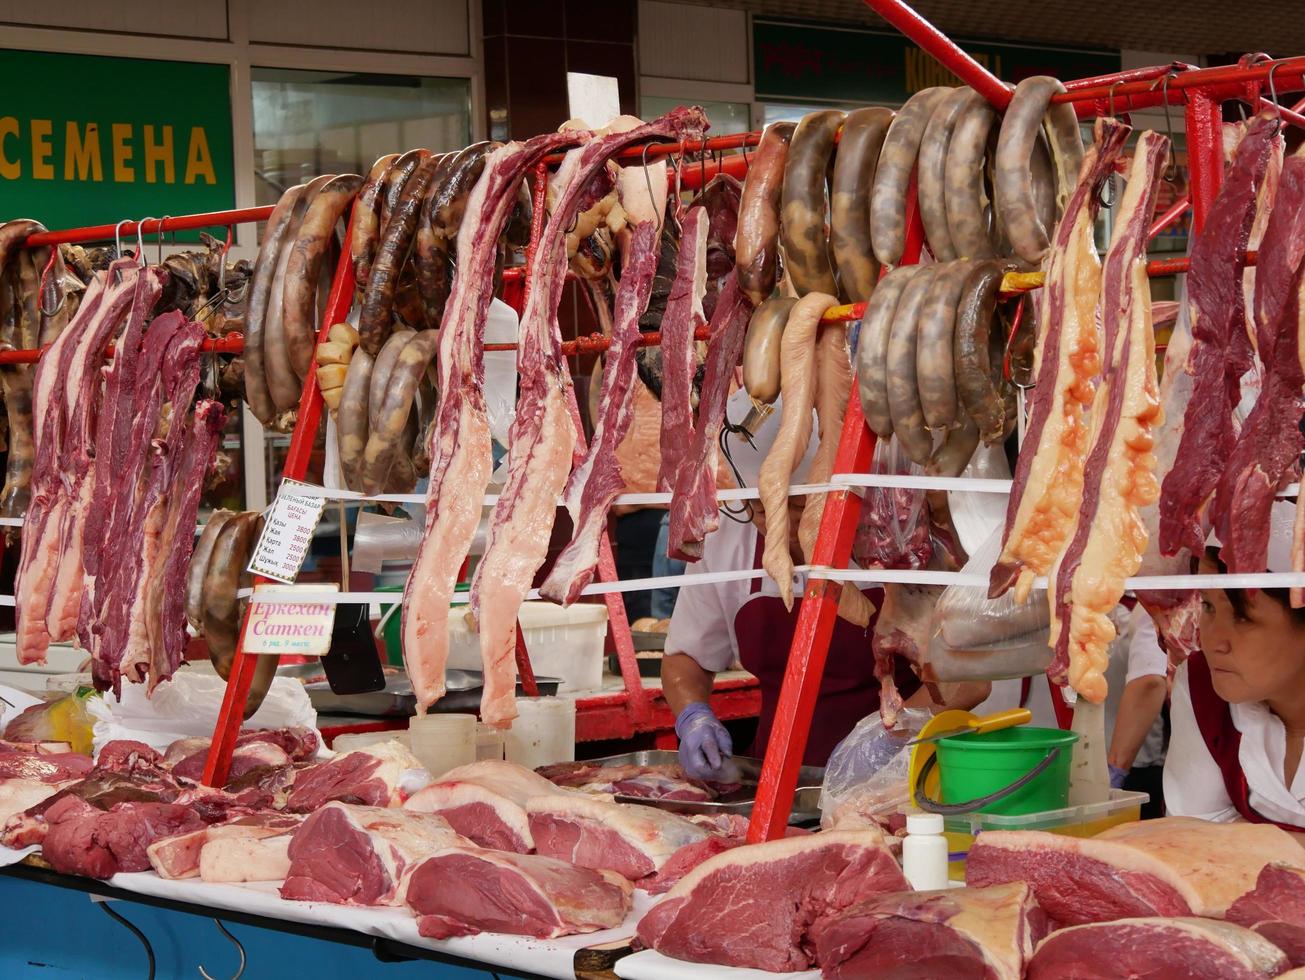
[1117,777]
[705,745]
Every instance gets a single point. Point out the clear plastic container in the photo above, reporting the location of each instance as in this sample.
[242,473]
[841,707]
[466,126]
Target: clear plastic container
[489,742]
[563,643]
[1085,820]
[443,741]
[543,732]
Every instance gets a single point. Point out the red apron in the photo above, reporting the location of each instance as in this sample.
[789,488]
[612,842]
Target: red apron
[849,689]
[1214,719]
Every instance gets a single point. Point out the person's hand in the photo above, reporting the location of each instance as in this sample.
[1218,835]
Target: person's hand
[705,745]
[1117,776]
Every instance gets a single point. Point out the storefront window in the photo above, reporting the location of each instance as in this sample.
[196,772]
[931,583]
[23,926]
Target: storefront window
[725,117]
[315,122]
[774,112]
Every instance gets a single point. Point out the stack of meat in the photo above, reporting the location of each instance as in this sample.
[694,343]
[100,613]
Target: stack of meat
[121,456]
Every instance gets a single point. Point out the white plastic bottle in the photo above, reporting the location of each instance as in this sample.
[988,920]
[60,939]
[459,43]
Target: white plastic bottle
[924,852]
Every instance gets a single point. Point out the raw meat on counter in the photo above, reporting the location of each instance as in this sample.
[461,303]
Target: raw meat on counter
[186,756]
[82,839]
[372,776]
[635,841]
[42,767]
[356,855]
[1275,908]
[184,855]
[753,906]
[1174,866]
[462,891]
[960,932]
[1195,949]
[486,802]
[656,782]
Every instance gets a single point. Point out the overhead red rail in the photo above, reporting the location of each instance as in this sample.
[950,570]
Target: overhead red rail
[148,226]
[1222,83]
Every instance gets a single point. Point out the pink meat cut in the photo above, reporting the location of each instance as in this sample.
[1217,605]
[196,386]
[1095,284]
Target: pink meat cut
[1221,350]
[371,776]
[462,891]
[460,442]
[683,316]
[954,934]
[84,840]
[486,802]
[1275,908]
[596,480]
[356,855]
[654,782]
[1173,866]
[1156,949]
[632,840]
[178,856]
[57,767]
[693,504]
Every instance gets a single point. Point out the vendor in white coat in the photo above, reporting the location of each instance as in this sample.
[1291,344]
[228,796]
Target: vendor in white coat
[1238,707]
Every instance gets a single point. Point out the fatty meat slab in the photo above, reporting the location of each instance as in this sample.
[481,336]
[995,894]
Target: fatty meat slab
[953,933]
[374,775]
[1108,538]
[462,891]
[1048,481]
[754,906]
[1173,866]
[1275,908]
[181,855]
[1192,948]
[486,802]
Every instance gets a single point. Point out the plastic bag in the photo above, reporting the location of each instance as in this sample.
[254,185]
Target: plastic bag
[866,778]
[894,527]
[62,719]
[973,637]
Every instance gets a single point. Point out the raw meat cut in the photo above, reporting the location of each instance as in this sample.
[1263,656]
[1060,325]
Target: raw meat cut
[693,504]
[259,747]
[753,906]
[20,795]
[1221,349]
[953,933]
[1191,948]
[44,767]
[356,855]
[372,776]
[462,891]
[596,481]
[1107,538]
[1275,908]
[653,782]
[240,858]
[1269,445]
[178,856]
[685,860]
[1170,866]
[1048,476]
[684,315]
[632,840]
[245,757]
[82,839]
[486,802]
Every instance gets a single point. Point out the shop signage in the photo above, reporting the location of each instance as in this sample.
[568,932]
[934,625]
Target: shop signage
[285,627]
[809,63]
[87,140]
[287,532]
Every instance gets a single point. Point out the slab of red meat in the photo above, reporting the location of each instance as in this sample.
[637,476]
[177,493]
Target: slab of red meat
[42,767]
[1172,866]
[655,782]
[251,755]
[84,840]
[463,891]
[1275,908]
[371,776]
[945,935]
[684,315]
[356,855]
[1221,350]
[1191,948]
[596,480]
[693,506]
[178,855]
[486,802]
[299,744]
[1269,445]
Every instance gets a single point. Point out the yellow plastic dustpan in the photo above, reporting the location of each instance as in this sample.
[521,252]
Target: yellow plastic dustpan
[954,722]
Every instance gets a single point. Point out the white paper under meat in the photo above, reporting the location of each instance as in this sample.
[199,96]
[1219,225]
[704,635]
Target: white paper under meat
[652,965]
[9,856]
[549,957]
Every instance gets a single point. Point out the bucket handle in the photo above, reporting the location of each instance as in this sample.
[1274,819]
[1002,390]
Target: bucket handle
[929,805]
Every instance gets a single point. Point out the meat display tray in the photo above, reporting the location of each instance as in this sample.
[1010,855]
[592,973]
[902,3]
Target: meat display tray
[806,800]
[396,700]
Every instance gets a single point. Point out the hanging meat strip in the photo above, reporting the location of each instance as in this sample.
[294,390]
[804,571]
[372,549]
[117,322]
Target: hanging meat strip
[1048,478]
[1109,538]
[684,315]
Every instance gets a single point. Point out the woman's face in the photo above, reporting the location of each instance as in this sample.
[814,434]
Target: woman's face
[1256,657]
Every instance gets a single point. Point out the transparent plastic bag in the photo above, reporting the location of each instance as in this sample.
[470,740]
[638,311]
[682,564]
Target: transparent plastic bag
[866,778]
[61,719]
[894,527]
[973,637]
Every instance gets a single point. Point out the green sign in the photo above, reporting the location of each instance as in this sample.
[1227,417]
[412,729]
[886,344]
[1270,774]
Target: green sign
[806,63]
[87,140]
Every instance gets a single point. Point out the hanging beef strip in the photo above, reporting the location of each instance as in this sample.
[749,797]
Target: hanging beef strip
[679,362]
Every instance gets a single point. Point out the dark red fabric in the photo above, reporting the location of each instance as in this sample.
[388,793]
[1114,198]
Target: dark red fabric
[1214,719]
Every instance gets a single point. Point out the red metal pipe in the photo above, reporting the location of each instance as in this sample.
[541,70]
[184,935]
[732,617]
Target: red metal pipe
[654,151]
[150,226]
[232,343]
[1127,75]
[943,49]
[1227,82]
[1175,212]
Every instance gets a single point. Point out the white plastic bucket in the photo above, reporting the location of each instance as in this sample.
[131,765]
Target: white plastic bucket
[543,733]
[443,741]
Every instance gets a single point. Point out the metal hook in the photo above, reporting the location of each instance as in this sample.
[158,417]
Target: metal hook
[1273,89]
[162,221]
[744,514]
[1111,96]
[40,286]
[240,948]
[647,179]
[140,239]
[117,237]
[144,940]
[1171,168]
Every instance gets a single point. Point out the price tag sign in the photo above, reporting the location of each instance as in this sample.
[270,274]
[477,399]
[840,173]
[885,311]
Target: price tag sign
[287,533]
[288,627]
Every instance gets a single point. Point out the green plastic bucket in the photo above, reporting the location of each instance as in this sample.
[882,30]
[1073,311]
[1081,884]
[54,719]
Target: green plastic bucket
[393,631]
[974,766]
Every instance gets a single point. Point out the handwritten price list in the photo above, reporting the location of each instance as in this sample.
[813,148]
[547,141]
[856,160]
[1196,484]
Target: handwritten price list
[287,533]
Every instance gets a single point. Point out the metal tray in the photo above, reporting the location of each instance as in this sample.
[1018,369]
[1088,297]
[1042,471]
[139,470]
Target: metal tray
[806,801]
[396,700]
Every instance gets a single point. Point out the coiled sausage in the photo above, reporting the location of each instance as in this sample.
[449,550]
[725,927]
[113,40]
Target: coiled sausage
[930,174]
[893,175]
[761,349]
[849,201]
[805,199]
[903,387]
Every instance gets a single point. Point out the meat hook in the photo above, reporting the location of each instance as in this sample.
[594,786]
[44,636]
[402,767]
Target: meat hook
[162,221]
[1171,168]
[1273,89]
[40,287]
[140,240]
[239,948]
[745,513]
[144,940]
[647,179]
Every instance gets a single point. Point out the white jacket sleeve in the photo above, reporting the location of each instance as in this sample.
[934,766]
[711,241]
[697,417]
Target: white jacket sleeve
[1193,783]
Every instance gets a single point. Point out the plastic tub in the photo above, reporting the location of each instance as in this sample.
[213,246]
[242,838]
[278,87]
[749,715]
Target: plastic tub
[975,765]
[543,733]
[443,741]
[489,742]
[563,643]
